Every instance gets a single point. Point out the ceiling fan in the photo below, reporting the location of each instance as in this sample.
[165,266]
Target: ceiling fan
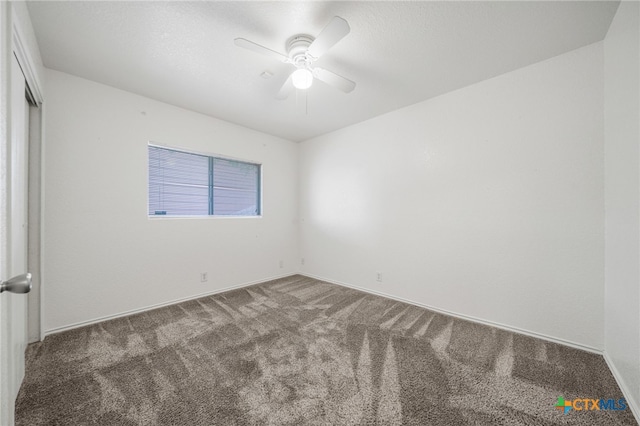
[302,51]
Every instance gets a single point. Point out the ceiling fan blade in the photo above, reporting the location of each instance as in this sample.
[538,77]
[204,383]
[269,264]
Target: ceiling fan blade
[335,30]
[333,79]
[243,42]
[286,89]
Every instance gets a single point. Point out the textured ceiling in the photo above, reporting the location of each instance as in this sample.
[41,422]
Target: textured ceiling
[398,53]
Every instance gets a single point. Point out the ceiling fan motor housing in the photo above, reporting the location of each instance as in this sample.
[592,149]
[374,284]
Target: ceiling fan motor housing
[297,47]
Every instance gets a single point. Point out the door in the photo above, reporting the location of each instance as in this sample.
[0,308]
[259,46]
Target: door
[13,224]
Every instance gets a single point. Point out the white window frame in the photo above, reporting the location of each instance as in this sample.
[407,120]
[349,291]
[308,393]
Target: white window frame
[210,155]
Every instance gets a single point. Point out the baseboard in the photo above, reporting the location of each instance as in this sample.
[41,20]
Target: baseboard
[465,317]
[632,403]
[365,290]
[160,305]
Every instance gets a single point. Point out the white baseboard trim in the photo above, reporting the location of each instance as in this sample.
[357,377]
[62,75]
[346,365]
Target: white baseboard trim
[632,403]
[466,317]
[160,305]
[365,290]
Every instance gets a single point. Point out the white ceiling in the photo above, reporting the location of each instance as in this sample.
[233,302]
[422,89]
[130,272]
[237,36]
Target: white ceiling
[398,53]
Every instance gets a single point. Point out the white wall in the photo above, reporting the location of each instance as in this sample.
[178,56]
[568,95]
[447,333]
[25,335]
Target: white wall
[487,201]
[103,255]
[622,208]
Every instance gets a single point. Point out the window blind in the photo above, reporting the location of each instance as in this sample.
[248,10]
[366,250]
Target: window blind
[235,188]
[186,184]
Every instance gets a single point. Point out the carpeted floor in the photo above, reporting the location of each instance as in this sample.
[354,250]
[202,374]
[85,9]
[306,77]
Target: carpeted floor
[297,351]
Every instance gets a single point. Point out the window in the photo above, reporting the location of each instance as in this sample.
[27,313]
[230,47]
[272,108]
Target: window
[186,184]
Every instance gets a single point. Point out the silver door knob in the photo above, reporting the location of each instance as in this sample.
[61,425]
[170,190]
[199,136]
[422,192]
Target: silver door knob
[17,284]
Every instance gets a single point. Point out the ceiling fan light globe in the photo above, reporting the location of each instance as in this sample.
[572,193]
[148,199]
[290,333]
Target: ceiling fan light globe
[302,78]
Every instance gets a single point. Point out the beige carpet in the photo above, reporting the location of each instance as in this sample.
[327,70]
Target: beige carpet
[297,351]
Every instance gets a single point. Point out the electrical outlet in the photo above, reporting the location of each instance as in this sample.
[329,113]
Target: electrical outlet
[204,277]
[281,264]
[379,277]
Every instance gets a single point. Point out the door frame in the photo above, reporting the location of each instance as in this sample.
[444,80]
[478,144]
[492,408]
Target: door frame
[25,59]
[17,40]
[20,48]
